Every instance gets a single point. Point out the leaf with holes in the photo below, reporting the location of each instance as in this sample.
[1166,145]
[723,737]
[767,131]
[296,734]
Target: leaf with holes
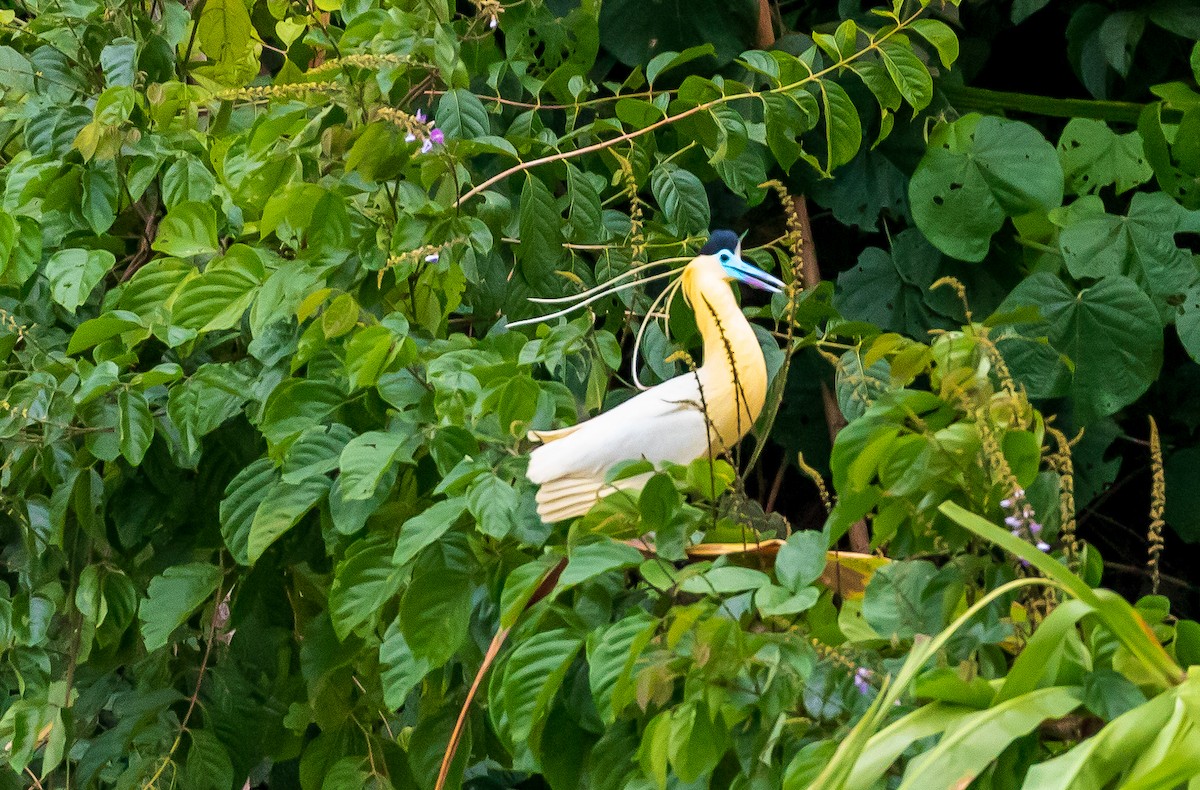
[975,172]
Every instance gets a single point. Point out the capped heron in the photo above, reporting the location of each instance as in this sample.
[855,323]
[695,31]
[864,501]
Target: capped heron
[702,412]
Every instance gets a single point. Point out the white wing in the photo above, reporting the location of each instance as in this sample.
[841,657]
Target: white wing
[663,423]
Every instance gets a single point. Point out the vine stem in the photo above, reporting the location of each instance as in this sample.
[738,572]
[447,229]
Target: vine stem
[192,701]
[813,76]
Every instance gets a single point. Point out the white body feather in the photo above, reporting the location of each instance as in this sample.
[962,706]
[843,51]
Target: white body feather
[667,422]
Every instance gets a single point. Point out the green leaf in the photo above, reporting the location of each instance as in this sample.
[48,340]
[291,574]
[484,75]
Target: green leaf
[100,200]
[493,503]
[200,404]
[364,581]
[190,228]
[95,331]
[436,607]
[365,460]
[187,180]
[245,492]
[907,598]
[975,172]
[1140,246]
[135,426]
[172,598]
[209,766]
[461,116]
[400,671]
[1110,332]
[74,273]
[425,528]
[940,35]
[843,129]
[539,221]
[682,198]
[589,561]
[696,743]
[612,654]
[315,452]
[215,300]
[281,509]
[725,580]
[532,676]
[1094,156]
[907,71]
[224,30]
[801,560]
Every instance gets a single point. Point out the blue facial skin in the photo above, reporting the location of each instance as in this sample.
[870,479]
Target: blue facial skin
[748,273]
[726,246]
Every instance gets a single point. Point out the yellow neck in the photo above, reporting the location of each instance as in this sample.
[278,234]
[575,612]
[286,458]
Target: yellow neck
[733,378]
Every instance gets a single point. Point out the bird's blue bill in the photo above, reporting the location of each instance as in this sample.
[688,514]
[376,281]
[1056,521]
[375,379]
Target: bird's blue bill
[751,275]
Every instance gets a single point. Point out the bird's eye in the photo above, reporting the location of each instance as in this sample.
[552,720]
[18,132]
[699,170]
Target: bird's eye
[725,257]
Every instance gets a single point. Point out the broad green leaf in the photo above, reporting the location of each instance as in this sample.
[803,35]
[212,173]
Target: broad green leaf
[135,428]
[315,452]
[612,654]
[100,198]
[245,492]
[843,129]
[224,30]
[425,528]
[96,330]
[907,71]
[539,250]
[75,273]
[975,172]
[594,559]
[209,766]
[363,582]
[493,503]
[532,675]
[682,198]
[941,36]
[1094,156]
[185,180]
[696,743]
[1140,246]
[281,509]
[461,116]
[436,607]
[172,598]
[400,670]
[725,580]
[365,459]
[801,560]
[1110,332]
[190,228]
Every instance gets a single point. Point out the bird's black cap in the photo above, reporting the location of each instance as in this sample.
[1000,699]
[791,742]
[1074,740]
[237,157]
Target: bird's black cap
[720,240]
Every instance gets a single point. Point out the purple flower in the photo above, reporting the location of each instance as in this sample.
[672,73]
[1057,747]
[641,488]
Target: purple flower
[1043,546]
[493,22]
[431,258]
[426,146]
[436,135]
[1013,522]
[861,683]
[421,116]
[1006,503]
[410,138]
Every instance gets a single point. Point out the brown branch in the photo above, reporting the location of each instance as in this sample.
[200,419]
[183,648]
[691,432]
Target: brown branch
[860,537]
[544,589]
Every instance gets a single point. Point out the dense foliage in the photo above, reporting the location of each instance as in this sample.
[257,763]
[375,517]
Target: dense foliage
[265,520]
